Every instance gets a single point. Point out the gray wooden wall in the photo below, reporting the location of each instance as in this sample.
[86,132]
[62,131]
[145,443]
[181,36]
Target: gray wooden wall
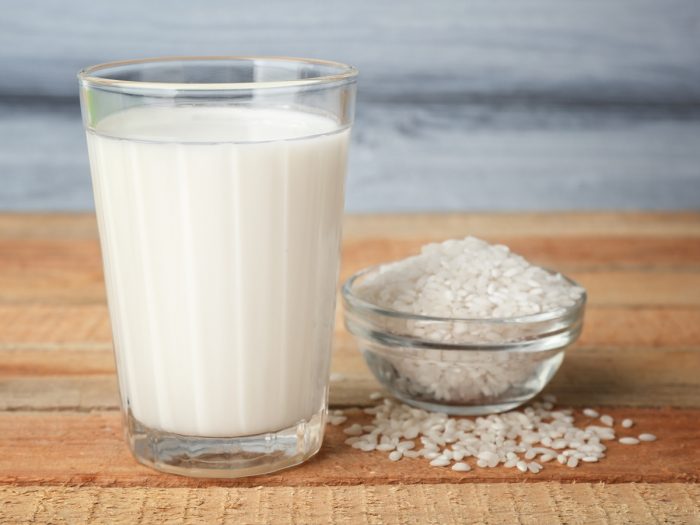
[465,105]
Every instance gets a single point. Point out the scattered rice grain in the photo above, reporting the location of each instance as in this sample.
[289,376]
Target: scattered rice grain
[337,420]
[395,455]
[628,441]
[534,467]
[589,412]
[440,461]
[353,430]
[607,420]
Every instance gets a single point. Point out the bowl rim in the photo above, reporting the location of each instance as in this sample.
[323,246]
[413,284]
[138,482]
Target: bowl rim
[357,303]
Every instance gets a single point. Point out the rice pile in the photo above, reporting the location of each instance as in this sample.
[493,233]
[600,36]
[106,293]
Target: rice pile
[467,279]
[521,439]
[472,279]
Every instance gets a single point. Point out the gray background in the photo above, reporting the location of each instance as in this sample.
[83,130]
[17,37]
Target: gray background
[465,105]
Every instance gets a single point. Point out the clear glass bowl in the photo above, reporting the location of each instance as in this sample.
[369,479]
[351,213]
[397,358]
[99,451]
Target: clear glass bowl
[483,366]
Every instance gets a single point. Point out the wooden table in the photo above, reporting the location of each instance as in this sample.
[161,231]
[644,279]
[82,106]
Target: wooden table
[62,458]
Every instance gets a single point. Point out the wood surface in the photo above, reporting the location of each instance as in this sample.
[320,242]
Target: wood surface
[464,105]
[63,460]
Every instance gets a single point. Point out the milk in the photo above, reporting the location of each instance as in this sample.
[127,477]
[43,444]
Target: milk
[220,232]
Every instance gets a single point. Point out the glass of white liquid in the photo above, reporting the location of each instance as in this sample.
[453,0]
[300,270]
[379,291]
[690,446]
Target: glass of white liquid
[219,186]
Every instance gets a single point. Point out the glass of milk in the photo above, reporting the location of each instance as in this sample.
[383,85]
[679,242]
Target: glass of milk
[219,185]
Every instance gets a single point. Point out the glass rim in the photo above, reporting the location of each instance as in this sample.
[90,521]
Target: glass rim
[87,75]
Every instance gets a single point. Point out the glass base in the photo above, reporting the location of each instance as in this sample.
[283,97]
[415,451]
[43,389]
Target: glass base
[235,457]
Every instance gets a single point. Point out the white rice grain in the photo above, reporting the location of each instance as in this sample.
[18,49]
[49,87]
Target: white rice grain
[628,441]
[337,420]
[534,467]
[589,412]
[395,455]
[353,430]
[440,461]
[607,420]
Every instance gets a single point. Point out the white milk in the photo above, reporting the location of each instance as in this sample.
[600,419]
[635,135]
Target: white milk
[220,230]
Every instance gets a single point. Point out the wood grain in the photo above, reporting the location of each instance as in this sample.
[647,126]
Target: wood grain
[88,448]
[402,227]
[472,104]
[83,380]
[63,458]
[70,271]
[595,51]
[75,285]
[71,326]
[547,503]
[55,259]
[585,252]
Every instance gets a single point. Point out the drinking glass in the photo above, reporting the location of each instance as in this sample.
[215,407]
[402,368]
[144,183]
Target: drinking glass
[219,187]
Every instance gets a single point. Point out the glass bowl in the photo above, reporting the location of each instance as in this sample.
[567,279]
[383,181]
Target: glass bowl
[460,366]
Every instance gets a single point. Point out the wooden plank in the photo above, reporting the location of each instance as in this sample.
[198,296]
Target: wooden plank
[641,327]
[83,379]
[407,227]
[404,227]
[55,361]
[587,252]
[34,370]
[56,258]
[416,110]
[474,503]
[66,361]
[88,448]
[628,288]
[589,54]
[75,393]
[86,326]
[51,270]
[60,274]
[584,252]
[52,226]
[55,324]
[69,270]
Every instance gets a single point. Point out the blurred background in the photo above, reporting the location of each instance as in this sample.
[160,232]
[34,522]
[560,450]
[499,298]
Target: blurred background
[464,105]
